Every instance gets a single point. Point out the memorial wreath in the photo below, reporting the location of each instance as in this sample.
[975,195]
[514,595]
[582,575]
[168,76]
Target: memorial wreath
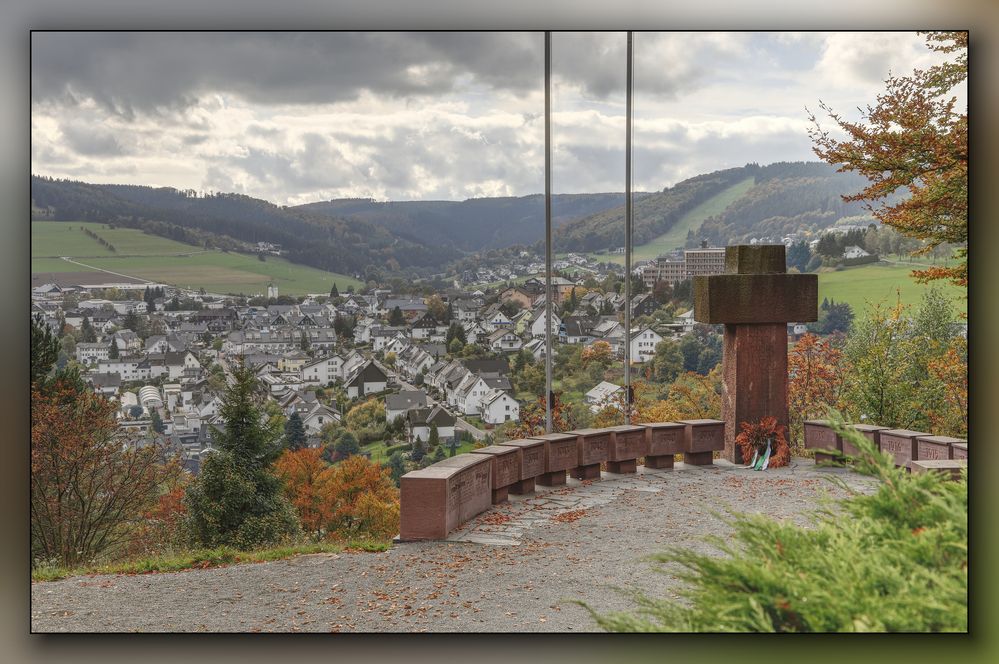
[764,443]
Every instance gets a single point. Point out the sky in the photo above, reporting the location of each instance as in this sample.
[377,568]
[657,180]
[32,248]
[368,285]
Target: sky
[301,117]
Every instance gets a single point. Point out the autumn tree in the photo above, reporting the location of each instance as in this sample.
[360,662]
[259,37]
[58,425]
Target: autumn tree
[363,500]
[88,492]
[395,317]
[305,485]
[667,363]
[236,499]
[366,414]
[598,353]
[948,412]
[913,139]
[815,378]
[437,308]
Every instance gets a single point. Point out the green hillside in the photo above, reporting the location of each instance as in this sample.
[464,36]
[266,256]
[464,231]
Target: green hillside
[857,286]
[676,236]
[163,260]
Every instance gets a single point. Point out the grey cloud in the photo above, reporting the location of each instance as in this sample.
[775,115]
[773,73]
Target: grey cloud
[91,141]
[129,72]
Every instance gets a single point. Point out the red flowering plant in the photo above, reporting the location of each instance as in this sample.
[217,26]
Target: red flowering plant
[755,438]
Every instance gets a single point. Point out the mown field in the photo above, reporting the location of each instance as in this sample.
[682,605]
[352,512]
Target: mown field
[677,236]
[858,286]
[163,260]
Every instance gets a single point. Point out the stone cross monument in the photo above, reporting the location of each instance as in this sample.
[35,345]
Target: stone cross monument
[755,299]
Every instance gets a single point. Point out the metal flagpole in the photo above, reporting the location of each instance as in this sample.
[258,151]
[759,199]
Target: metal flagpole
[548,232]
[627,240]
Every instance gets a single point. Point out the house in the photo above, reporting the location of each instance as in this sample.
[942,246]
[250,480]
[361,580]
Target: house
[538,324]
[419,421]
[367,378]
[322,371]
[318,417]
[521,297]
[577,330]
[182,365]
[854,251]
[602,395]
[536,347]
[473,391]
[643,344]
[106,384]
[499,407]
[92,353]
[293,361]
[643,305]
[504,341]
[397,405]
[494,319]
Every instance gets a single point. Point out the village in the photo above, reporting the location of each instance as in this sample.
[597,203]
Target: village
[438,363]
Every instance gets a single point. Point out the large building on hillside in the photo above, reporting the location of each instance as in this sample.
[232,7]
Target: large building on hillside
[694,262]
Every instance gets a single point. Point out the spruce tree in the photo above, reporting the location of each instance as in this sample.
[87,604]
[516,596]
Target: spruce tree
[87,332]
[236,499]
[294,433]
[113,350]
[334,292]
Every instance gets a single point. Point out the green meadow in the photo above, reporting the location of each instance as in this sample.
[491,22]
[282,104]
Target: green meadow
[864,284]
[163,260]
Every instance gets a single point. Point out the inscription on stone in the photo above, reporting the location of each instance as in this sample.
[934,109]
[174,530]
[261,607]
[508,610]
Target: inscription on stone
[901,444]
[665,439]
[959,451]
[930,450]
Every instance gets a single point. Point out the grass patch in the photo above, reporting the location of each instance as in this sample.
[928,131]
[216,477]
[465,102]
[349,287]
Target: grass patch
[166,261]
[857,286]
[205,558]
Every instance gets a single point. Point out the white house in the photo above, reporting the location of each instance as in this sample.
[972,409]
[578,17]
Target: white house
[323,371]
[366,379]
[319,417]
[854,251]
[419,421]
[504,341]
[602,395]
[403,402]
[643,344]
[499,407]
[92,353]
[538,325]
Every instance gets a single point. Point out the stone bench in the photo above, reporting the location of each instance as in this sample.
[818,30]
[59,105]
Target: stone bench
[628,444]
[505,468]
[664,440]
[437,499]
[952,467]
[560,456]
[700,439]
[532,463]
[822,438]
[592,447]
[901,444]
[938,447]
[959,451]
[871,431]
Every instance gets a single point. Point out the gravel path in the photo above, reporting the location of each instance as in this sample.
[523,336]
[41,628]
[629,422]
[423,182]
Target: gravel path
[514,568]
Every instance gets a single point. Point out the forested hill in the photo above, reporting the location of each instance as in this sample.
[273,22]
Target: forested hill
[785,197]
[351,235]
[317,240]
[472,225]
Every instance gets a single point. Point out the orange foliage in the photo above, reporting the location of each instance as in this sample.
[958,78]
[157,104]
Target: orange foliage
[532,419]
[950,417]
[306,486]
[814,381]
[599,351]
[363,500]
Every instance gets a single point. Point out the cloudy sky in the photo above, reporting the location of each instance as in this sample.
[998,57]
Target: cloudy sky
[295,118]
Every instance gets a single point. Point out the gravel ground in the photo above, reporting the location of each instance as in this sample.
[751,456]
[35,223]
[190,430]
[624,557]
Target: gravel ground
[514,568]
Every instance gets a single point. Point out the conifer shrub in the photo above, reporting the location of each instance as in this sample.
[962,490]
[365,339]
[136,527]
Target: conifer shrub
[895,560]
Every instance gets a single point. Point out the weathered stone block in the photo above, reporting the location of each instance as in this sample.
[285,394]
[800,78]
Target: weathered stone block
[532,463]
[664,439]
[755,259]
[952,467]
[703,435]
[935,447]
[592,448]
[821,437]
[959,451]
[871,431]
[627,444]
[505,468]
[437,499]
[735,299]
[901,444]
[560,456]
